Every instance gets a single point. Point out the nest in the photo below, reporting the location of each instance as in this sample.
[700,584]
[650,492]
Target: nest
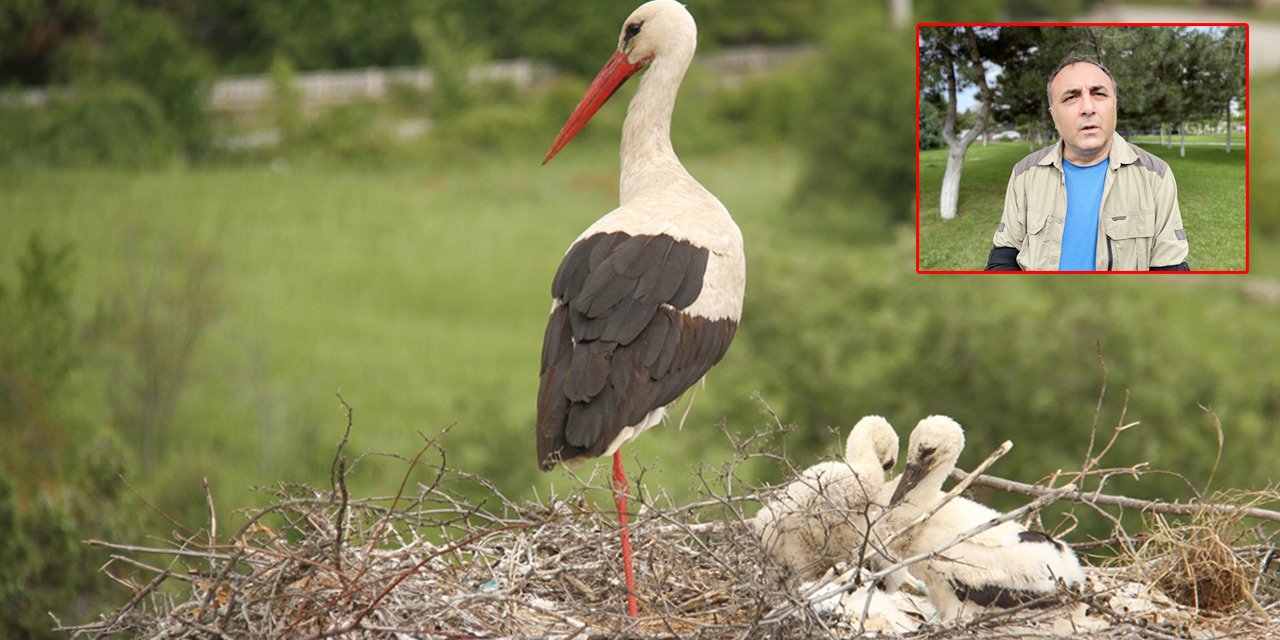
[1202,562]
[429,562]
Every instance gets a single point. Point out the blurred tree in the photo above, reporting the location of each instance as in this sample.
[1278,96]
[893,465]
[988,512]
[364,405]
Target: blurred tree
[1265,139]
[1019,10]
[333,34]
[579,39]
[38,344]
[572,36]
[49,502]
[726,22]
[862,119]
[945,11]
[152,328]
[33,31]
[144,47]
[285,104]
[114,124]
[450,56]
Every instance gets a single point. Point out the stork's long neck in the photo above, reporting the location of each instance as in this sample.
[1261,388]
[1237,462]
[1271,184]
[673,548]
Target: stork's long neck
[648,160]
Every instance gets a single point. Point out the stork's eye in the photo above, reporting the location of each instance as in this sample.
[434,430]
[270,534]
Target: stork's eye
[633,29]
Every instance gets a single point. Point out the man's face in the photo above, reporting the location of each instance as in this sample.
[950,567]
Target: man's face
[1084,111]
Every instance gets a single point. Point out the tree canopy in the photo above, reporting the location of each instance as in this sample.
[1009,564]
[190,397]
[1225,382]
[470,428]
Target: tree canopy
[244,35]
[1164,75]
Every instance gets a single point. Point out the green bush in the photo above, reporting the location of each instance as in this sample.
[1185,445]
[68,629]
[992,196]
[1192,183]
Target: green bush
[69,491]
[145,48]
[114,124]
[492,128]
[770,108]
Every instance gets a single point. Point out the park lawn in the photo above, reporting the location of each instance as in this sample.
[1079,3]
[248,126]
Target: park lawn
[1237,139]
[1211,194]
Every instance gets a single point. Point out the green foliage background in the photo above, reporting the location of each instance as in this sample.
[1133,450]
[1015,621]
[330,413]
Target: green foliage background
[171,313]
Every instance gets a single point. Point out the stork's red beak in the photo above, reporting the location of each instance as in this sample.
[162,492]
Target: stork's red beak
[615,72]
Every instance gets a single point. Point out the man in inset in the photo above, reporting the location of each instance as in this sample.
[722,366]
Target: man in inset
[1092,202]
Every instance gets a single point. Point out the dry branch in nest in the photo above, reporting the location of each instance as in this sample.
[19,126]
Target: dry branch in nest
[429,562]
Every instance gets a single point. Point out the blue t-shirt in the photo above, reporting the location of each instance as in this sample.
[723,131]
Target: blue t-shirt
[1084,200]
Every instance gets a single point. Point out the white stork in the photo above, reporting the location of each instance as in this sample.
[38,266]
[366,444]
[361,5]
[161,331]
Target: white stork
[648,298]
[1002,567]
[821,518]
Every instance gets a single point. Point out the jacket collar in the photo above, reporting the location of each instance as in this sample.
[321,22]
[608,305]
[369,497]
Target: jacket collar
[1121,154]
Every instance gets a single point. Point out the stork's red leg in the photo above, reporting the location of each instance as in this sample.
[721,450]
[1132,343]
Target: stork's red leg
[620,492]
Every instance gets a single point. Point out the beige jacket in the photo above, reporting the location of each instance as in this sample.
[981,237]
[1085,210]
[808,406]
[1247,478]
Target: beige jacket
[1140,225]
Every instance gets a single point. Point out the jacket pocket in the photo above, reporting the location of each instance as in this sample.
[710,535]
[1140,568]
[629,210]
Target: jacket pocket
[1129,237]
[1044,241]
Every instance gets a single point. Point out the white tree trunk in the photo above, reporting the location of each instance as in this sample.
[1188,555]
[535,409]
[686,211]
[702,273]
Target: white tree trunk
[951,180]
[1182,139]
[956,146]
[899,13]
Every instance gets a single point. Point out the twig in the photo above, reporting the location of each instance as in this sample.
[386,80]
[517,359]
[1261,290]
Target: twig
[377,534]
[171,551]
[213,523]
[146,567]
[1217,430]
[1097,412]
[338,483]
[133,602]
[1124,502]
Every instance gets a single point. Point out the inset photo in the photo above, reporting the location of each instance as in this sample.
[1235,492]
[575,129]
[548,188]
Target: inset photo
[1082,148]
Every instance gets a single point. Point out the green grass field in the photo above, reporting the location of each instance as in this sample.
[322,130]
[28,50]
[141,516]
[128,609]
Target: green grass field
[1211,194]
[1237,139]
[419,293]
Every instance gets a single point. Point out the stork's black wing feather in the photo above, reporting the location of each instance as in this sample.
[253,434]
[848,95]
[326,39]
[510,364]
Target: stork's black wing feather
[619,344]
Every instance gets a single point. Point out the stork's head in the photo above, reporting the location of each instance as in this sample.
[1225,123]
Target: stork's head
[932,451]
[659,29]
[872,439]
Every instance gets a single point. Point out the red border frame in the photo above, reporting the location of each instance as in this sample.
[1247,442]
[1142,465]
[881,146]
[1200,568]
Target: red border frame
[1248,157]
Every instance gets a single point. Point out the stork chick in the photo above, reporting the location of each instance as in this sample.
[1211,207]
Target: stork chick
[821,518]
[1002,567]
